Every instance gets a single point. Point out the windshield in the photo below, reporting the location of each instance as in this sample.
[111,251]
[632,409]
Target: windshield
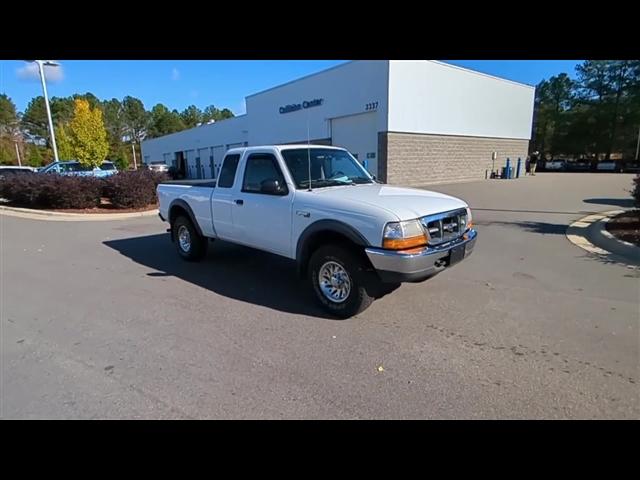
[107,166]
[329,167]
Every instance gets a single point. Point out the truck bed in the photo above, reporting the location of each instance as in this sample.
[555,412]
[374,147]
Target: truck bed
[207,182]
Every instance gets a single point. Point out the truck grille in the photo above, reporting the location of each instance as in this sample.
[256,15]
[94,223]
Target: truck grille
[445,227]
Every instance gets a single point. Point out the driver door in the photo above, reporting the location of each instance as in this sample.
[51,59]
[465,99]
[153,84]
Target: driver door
[263,220]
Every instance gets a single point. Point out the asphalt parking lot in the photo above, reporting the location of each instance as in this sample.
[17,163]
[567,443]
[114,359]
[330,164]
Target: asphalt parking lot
[103,320]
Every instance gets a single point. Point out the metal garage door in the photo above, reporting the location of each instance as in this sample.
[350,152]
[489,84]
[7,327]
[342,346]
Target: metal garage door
[218,155]
[359,135]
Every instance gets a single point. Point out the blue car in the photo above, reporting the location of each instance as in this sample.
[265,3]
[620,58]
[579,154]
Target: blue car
[74,168]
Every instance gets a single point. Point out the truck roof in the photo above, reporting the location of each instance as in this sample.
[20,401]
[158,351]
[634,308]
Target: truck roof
[281,147]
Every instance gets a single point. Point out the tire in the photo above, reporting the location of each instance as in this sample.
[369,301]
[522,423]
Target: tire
[191,246]
[332,262]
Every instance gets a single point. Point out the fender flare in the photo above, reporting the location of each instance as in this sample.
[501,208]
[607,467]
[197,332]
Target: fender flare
[178,202]
[326,225]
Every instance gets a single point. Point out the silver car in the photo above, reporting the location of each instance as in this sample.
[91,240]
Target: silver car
[158,167]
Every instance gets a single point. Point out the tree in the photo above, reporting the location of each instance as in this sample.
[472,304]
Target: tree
[226,113]
[213,113]
[64,143]
[35,157]
[34,119]
[8,115]
[607,91]
[163,122]
[136,118]
[553,99]
[114,121]
[191,116]
[88,135]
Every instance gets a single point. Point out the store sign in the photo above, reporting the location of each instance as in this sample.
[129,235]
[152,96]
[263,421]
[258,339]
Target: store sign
[294,107]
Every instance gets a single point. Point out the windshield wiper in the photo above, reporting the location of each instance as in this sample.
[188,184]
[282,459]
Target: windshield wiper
[324,182]
[361,180]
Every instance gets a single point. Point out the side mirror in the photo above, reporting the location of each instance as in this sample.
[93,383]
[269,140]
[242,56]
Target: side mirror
[272,187]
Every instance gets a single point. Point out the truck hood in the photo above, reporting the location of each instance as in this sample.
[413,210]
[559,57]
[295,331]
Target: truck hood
[406,203]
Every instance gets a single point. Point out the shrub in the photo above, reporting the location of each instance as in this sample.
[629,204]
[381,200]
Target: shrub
[133,189]
[51,191]
[636,190]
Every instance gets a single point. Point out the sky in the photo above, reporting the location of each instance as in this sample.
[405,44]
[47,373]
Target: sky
[223,83]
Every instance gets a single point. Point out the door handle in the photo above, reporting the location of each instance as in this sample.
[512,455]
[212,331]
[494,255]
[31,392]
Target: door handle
[239,202]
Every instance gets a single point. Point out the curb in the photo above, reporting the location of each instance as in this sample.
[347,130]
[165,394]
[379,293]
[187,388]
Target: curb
[590,234]
[33,214]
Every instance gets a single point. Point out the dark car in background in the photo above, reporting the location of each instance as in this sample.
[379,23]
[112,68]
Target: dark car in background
[577,165]
[6,170]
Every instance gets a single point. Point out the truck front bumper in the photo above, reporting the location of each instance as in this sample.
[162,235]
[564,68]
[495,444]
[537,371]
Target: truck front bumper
[394,267]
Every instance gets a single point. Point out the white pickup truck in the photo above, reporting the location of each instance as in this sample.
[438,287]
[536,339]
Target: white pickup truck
[352,237]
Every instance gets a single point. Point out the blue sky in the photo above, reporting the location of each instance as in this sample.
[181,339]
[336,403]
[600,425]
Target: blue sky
[223,83]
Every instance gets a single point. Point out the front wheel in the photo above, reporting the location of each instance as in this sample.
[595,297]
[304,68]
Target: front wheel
[338,280]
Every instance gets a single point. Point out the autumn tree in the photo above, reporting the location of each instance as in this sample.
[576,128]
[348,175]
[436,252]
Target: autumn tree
[88,137]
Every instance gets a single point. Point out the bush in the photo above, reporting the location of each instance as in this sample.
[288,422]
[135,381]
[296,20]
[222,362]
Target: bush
[133,189]
[128,189]
[51,191]
[636,190]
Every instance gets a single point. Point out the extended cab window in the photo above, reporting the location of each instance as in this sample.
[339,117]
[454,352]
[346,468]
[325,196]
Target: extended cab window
[228,171]
[261,168]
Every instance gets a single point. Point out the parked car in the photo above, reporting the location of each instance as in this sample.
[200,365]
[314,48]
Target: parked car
[158,167]
[350,236]
[77,169]
[556,165]
[577,166]
[6,170]
[608,166]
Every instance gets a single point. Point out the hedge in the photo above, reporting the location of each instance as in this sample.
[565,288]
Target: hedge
[133,189]
[128,189]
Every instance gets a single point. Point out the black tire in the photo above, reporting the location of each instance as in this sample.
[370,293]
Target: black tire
[196,248]
[358,299]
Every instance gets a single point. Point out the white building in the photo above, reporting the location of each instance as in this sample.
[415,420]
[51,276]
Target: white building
[409,122]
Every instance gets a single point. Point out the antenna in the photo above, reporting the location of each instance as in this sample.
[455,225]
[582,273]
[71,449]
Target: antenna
[309,152]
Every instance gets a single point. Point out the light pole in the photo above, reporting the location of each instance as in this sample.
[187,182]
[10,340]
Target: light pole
[638,144]
[41,65]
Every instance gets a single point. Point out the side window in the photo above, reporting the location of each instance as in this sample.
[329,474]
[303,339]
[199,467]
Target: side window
[228,171]
[262,167]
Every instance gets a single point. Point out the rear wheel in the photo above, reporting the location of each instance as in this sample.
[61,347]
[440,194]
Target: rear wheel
[190,244]
[338,279]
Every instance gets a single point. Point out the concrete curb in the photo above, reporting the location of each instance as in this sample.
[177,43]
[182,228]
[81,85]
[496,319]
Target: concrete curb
[590,234]
[33,214]
[607,240]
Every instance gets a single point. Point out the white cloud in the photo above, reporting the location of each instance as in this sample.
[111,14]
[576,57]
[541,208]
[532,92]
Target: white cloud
[30,72]
[175,74]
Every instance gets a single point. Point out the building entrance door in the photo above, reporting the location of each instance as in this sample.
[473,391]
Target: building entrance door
[359,135]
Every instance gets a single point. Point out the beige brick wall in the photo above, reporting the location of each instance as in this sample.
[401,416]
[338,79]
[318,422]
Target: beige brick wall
[416,159]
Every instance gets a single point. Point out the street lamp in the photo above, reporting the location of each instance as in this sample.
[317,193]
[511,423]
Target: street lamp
[41,65]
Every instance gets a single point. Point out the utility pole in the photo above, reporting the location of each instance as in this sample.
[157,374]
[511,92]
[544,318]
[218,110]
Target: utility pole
[18,154]
[41,65]
[133,149]
[638,144]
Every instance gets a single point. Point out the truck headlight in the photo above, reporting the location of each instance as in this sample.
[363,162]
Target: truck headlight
[404,235]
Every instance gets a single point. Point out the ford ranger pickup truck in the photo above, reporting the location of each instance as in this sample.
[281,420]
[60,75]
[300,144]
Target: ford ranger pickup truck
[352,237]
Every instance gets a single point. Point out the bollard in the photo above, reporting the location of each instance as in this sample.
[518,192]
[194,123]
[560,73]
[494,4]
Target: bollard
[518,167]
